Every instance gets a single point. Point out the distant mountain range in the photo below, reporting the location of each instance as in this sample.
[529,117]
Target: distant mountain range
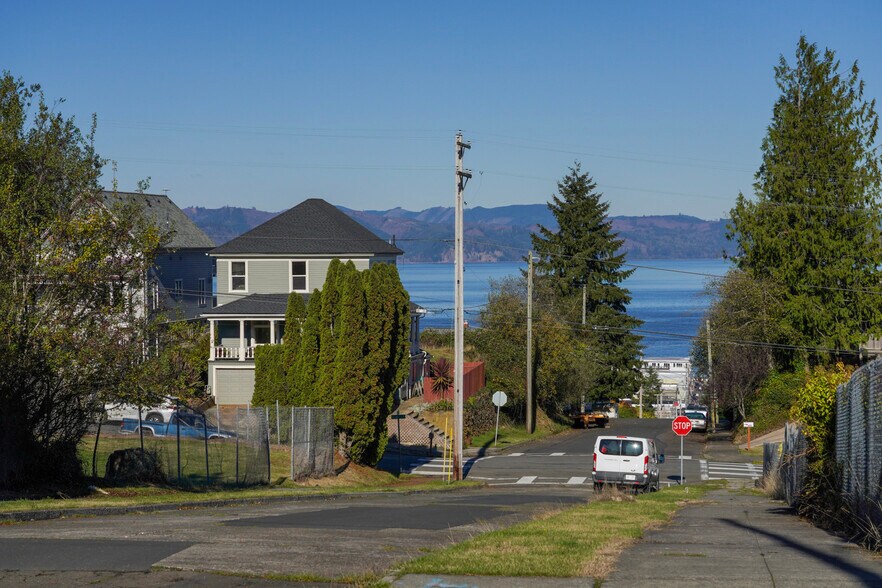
[493,234]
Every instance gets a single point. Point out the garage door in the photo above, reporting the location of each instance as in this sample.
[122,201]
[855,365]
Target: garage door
[233,386]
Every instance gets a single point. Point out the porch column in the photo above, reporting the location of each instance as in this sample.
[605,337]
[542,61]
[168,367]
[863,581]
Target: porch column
[211,349]
[241,339]
[272,331]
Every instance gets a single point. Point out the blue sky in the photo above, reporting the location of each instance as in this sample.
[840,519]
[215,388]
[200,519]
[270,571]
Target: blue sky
[266,103]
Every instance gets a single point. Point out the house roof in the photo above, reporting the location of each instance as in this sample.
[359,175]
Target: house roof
[255,304]
[312,227]
[166,215]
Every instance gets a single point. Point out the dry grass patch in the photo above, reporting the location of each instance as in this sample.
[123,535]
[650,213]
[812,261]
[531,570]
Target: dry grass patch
[582,541]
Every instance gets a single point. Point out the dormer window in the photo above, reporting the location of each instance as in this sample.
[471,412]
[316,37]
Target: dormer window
[298,276]
[238,280]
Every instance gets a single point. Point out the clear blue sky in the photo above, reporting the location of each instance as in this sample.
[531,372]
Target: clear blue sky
[266,103]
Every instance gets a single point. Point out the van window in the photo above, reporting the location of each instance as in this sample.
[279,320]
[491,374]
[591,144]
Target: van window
[610,446]
[632,448]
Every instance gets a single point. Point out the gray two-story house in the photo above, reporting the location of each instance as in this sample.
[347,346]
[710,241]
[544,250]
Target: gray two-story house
[257,271]
[180,282]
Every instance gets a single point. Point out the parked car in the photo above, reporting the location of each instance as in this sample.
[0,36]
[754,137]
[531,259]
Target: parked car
[697,408]
[630,462]
[698,420]
[191,426]
[155,414]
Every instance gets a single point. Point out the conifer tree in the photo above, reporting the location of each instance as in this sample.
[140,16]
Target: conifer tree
[302,374]
[584,253]
[349,381]
[814,224]
[328,333]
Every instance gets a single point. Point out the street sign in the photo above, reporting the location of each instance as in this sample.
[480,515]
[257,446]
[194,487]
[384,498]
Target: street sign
[499,399]
[681,426]
[399,416]
[748,424]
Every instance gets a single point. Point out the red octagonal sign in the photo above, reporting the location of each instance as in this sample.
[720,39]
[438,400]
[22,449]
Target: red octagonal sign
[681,426]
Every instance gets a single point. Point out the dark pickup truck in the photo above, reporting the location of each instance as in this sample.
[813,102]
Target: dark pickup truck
[191,426]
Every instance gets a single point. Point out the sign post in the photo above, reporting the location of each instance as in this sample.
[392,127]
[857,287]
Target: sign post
[499,399]
[681,426]
[398,416]
[748,425]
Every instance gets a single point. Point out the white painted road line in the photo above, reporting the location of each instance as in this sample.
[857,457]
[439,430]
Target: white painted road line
[513,455]
[556,454]
[527,480]
[702,464]
[576,480]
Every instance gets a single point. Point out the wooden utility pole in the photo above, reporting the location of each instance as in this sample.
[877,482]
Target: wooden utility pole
[584,301]
[462,177]
[530,419]
[710,378]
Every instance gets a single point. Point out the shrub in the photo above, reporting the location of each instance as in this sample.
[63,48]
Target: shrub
[774,399]
[479,414]
[436,338]
[269,375]
[440,406]
[632,412]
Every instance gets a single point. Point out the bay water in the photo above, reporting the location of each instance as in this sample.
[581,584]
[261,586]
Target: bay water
[668,295]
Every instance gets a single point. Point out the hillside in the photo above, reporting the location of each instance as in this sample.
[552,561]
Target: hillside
[492,234]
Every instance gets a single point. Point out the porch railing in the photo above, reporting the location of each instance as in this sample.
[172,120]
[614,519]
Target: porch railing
[225,352]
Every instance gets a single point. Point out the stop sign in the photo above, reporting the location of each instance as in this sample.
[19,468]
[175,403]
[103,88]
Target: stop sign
[681,426]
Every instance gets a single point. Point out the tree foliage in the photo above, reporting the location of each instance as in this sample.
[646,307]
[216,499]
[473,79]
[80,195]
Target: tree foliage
[69,271]
[814,225]
[352,352]
[583,258]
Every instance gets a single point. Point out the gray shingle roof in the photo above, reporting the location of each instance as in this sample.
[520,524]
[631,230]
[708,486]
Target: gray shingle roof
[253,304]
[312,227]
[167,216]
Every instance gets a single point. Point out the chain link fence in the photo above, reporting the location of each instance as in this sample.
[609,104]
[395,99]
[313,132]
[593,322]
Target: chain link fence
[221,446]
[859,441]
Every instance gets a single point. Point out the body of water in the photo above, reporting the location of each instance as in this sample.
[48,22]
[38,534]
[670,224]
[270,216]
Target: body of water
[670,299]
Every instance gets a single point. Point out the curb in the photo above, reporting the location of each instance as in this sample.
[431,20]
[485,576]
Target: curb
[45,515]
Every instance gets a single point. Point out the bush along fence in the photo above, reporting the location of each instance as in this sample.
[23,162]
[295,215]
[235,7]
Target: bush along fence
[190,448]
[835,478]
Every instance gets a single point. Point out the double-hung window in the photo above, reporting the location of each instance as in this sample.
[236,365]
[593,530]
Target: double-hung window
[298,276]
[201,292]
[179,289]
[238,280]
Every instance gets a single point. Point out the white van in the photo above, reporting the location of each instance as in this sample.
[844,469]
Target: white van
[626,461]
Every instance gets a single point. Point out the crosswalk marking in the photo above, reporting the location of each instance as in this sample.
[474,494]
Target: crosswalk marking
[527,480]
[576,480]
[732,470]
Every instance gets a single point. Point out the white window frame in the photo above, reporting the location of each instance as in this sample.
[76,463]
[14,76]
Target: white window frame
[291,263]
[230,272]
[179,288]
[202,297]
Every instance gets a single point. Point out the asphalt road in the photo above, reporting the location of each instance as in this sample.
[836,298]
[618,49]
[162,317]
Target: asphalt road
[323,538]
[566,459]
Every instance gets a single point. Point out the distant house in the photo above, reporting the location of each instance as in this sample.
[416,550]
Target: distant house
[180,282]
[675,375]
[257,271]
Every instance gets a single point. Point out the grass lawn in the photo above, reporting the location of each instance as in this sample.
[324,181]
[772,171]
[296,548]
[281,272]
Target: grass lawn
[582,541]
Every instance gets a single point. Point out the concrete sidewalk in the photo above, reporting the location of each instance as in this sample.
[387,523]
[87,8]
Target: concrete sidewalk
[739,538]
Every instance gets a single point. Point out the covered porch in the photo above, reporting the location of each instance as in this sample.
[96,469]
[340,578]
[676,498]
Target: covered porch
[236,339]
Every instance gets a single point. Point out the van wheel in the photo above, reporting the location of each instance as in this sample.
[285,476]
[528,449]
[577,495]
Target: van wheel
[598,487]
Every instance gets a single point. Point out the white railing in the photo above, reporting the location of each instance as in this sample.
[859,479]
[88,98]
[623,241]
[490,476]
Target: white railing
[222,352]
[249,353]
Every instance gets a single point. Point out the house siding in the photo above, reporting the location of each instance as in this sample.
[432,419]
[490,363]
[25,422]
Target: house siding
[273,276]
[233,385]
[188,266]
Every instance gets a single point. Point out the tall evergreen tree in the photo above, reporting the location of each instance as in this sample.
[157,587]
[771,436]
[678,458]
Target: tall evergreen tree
[350,371]
[329,317]
[814,225]
[584,254]
[302,372]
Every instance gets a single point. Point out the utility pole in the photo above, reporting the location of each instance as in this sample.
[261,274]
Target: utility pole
[462,178]
[530,419]
[710,377]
